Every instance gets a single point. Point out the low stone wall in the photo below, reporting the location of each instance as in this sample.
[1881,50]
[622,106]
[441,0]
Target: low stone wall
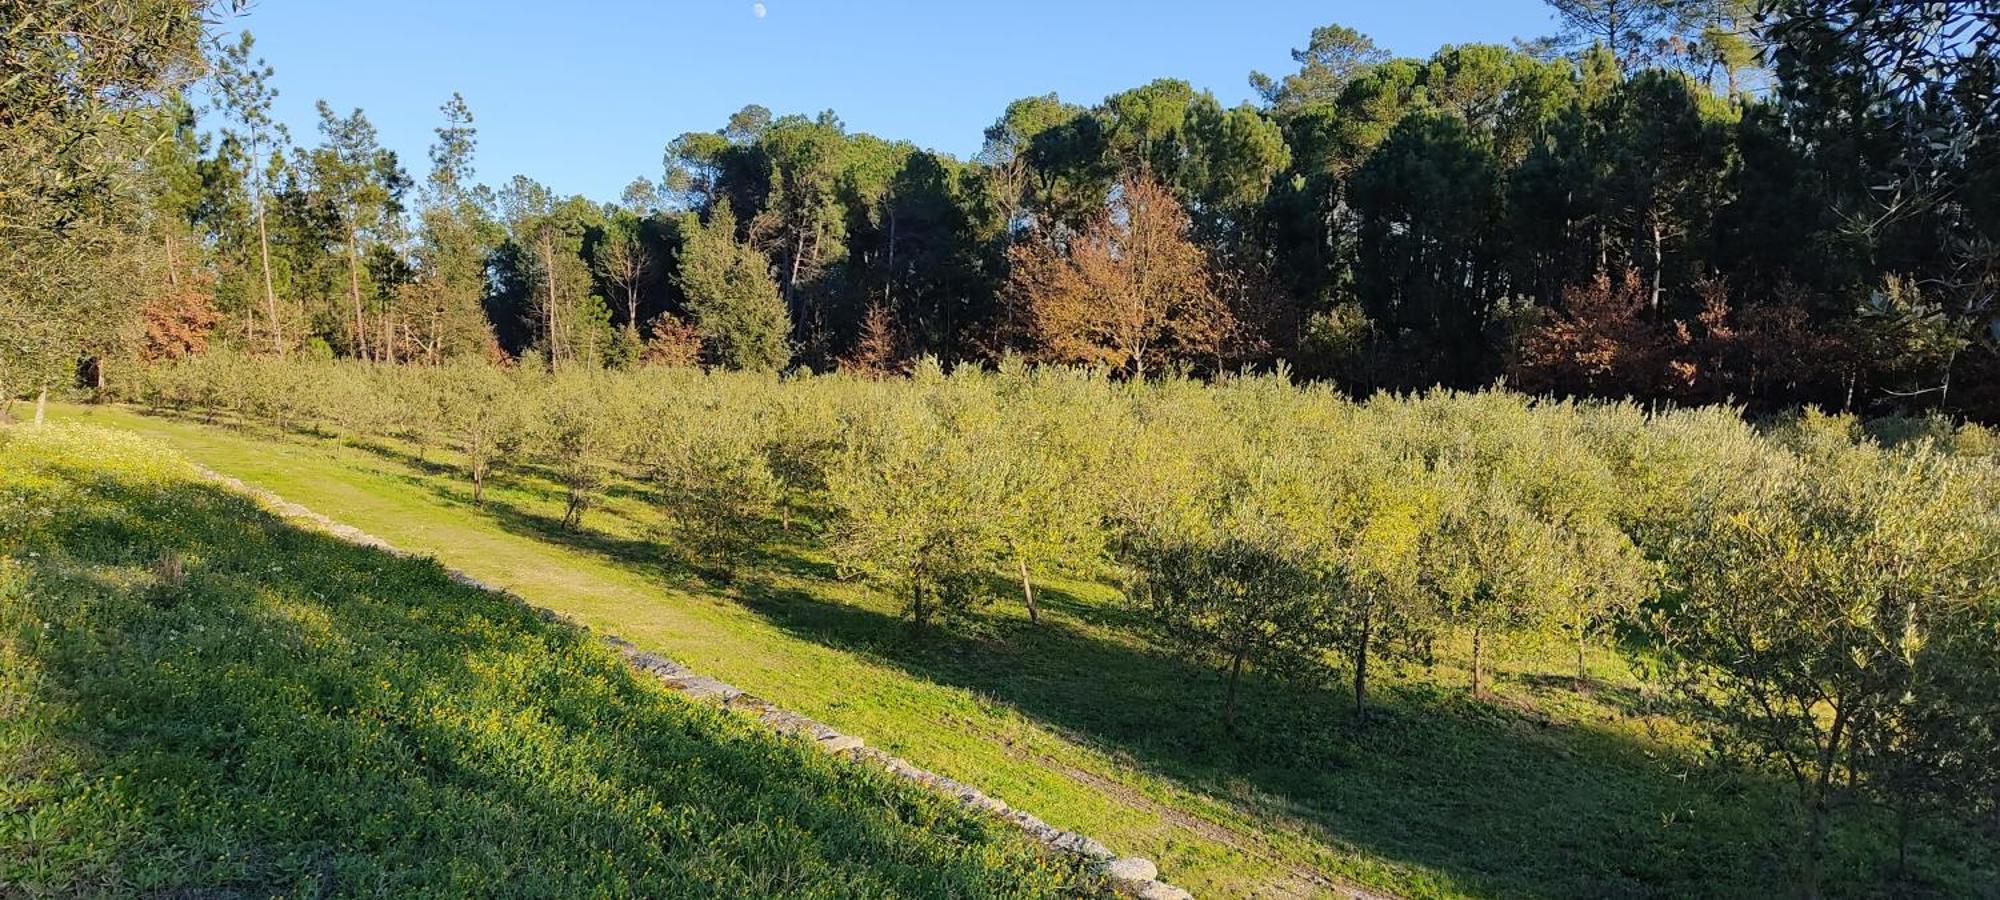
[1130,875]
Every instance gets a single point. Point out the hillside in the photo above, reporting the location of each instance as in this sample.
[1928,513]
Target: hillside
[1546,789]
[202,700]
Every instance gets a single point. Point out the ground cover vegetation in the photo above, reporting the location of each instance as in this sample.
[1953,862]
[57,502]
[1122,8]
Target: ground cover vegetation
[1816,598]
[806,363]
[202,698]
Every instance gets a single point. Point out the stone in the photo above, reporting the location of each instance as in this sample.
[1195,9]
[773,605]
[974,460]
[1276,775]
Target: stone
[1131,868]
[1071,842]
[1159,890]
[656,664]
[839,743]
[988,803]
[703,688]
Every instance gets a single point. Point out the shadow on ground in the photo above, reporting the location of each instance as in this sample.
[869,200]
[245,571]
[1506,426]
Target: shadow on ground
[222,704]
[1497,799]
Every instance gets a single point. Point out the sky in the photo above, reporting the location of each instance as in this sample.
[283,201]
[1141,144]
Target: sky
[584,96]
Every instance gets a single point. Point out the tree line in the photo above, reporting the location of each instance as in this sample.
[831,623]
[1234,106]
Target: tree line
[1776,203]
[1817,592]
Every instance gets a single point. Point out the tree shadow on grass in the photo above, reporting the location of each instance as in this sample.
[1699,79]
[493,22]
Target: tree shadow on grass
[283,712]
[653,554]
[1497,799]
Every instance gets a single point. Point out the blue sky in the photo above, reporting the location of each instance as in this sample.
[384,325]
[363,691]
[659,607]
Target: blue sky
[583,96]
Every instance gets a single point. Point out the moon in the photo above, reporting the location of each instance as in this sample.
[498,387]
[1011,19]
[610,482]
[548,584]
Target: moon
[758,10]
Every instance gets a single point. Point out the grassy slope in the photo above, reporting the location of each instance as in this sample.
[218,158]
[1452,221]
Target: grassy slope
[1548,792]
[295,715]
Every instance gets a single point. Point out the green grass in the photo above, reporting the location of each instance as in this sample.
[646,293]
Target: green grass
[288,714]
[1547,790]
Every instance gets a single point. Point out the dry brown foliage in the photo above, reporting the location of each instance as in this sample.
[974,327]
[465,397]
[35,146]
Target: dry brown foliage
[1131,292]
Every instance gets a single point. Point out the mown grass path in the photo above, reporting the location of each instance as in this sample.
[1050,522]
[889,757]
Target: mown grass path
[1546,791]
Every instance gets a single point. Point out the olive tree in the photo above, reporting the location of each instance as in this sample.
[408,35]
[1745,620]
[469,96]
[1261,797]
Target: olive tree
[1049,450]
[914,494]
[480,410]
[576,433]
[1811,612]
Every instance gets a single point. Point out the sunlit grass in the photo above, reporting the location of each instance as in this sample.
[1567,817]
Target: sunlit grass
[1547,789]
[202,700]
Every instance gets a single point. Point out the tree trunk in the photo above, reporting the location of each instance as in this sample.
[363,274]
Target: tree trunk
[354,291]
[889,282]
[1027,587]
[42,405]
[1659,265]
[1361,667]
[792,279]
[478,482]
[1229,699]
[1582,674]
[549,304]
[1817,813]
[1478,660]
[270,293]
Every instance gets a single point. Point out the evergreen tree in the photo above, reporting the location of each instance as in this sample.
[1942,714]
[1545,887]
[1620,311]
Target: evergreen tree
[731,295]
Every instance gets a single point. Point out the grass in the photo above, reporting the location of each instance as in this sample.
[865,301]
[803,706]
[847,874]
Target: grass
[1547,790]
[202,700]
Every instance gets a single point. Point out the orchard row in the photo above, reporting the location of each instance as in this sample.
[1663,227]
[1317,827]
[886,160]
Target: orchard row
[1819,593]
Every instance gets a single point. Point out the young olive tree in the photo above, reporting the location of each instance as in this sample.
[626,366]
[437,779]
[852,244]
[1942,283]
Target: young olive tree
[577,434]
[481,413]
[1811,613]
[1238,591]
[1489,568]
[1049,450]
[797,426]
[915,497]
[1383,520]
[704,453]
[1228,555]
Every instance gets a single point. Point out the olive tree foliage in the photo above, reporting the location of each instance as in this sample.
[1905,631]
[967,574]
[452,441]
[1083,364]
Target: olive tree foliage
[1229,563]
[1383,528]
[797,432]
[1531,551]
[1824,613]
[82,87]
[1049,453]
[696,441]
[914,491]
[577,433]
[481,414]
